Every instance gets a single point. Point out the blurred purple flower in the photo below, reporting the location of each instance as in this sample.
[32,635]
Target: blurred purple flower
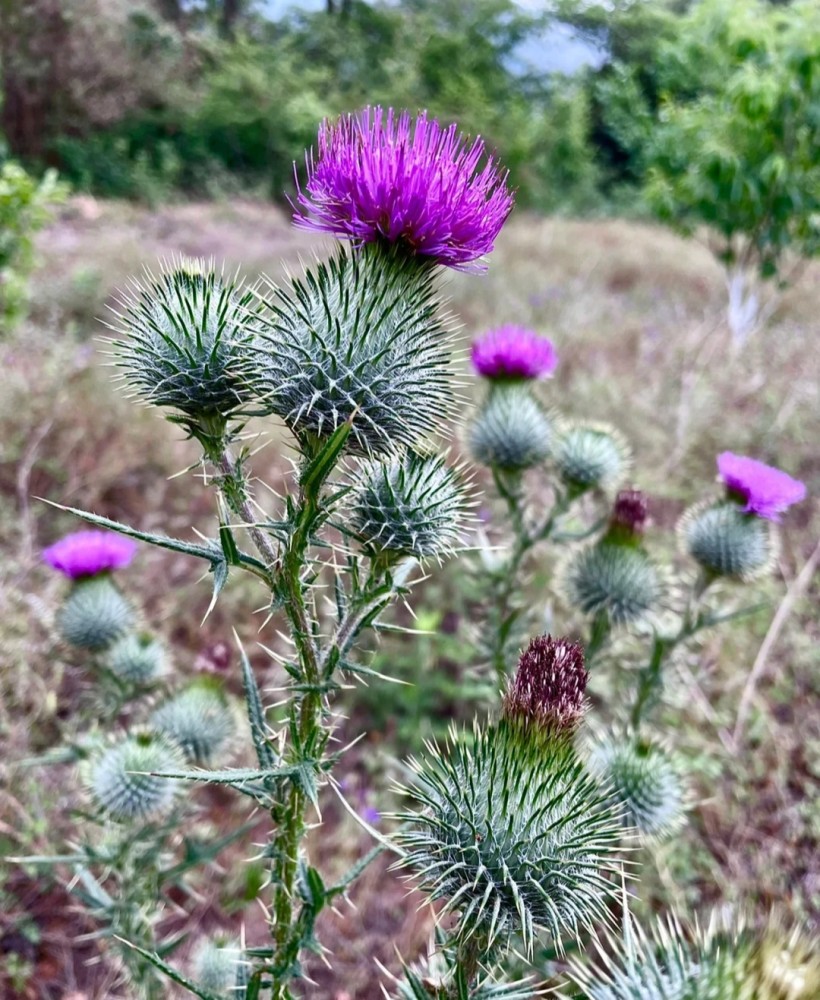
[513,352]
[86,553]
[548,686]
[766,490]
[384,177]
[371,815]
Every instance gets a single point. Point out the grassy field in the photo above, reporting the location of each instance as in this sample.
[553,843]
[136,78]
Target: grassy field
[637,318]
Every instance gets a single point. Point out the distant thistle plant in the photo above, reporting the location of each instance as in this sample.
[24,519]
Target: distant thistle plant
[513,353]
[511,831]
[356,339]
[122,784]
[643,780]
[220,968]
[590,456]
[184,340]
[407,183]
[137,658]
[414,505]
[726,542]
[198,720]
[726,961]
[511,432]
[94,614]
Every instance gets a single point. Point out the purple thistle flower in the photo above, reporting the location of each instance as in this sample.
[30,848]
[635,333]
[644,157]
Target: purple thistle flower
[413,184]
[87,553]
[766,490]
[371,815]
[513,352]
[549,685]
[629,514]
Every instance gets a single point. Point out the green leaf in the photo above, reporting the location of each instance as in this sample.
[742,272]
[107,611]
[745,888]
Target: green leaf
[170,972]
[319,468]
[256,712]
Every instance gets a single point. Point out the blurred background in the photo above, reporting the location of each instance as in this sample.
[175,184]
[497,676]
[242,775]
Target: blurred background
[665,155]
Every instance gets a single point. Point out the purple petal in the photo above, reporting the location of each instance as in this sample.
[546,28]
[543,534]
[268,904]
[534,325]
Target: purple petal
[513,352]
[86,553]
[767,491]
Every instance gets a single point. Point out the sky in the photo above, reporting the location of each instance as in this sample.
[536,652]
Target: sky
[558,49]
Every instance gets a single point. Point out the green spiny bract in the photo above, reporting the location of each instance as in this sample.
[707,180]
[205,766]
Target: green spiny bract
[357,339]
[220,968]
[728,542]
[185,339]
[643,780]
[413,505]
[121,782]
[137,658]
[511,432]
[617,581]
[513,833]
[590,456]
[199,720]
[720,963]
[94,614]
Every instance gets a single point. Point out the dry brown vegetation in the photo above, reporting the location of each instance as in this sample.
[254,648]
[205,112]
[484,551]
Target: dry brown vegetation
[636,315]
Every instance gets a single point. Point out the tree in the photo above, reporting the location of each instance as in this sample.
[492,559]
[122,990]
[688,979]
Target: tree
[735,146]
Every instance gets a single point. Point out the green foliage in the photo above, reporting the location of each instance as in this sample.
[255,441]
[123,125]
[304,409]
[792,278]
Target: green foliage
[94,614]
[25,207]
[735,147]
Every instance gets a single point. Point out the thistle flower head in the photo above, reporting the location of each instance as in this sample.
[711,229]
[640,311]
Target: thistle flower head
[511,432]
[94,614]
[412,184]
[512,353]
[414,505]
[643,780]
[137,658]
[183,343]
[548,688]
[629,513]
[198,720]
[589,456]
[513,834]
[618,581]
[220,967]
[727,542]
[122,783]
[766,491]
[87,553]
[357,340]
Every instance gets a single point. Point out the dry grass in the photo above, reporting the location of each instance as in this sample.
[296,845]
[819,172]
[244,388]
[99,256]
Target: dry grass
[637,318]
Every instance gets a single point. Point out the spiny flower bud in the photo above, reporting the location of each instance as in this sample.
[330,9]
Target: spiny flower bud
[199,720]
[414,505]
[511,432]
[137,658]
[628,517]
[513,833]
[121,782]
[728,542]
[644,782]
[357,339]
[618,581]
[185,336]
[94,614]
[220,968]
[590,456]
[548,687]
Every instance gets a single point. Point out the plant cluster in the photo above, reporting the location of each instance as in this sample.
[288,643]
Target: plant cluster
[516,827]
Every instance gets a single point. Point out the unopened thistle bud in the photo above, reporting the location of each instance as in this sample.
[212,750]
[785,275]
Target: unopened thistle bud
[137,658]
[644,782]
[547,691]
[511,432]
[614,580]
[727,542]
[590,456]
[357,340]
[199,721]
[414,505]
[184,341]
[628,518]
[122,783]
[512,830]
[94,614]
[220,968]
